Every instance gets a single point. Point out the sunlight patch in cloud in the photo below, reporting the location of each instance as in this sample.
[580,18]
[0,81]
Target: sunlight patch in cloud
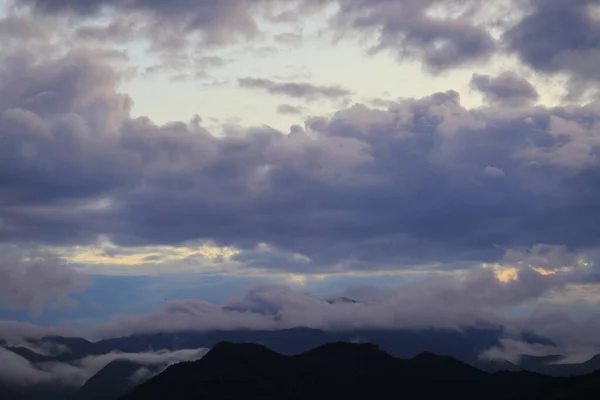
[303,280]
[105,252]
[508,273]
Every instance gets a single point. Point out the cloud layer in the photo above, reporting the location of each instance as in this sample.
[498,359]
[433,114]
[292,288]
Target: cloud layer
[474,299]
[19,371]
[441,302]
[364,187]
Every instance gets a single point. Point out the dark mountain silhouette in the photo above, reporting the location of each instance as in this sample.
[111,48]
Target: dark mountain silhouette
[30,355]
[546,365]
[433,349]
[336,370]
[465,345]
[10,391]
[582,387]
[112,381]
[533,362]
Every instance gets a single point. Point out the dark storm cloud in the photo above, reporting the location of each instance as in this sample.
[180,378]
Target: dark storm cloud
[405,28]
[441,34]
[426,180]
[551,36]
[303,90]
[119,30]
[58,125]
[559,36]
[168,23]
[555,29]
[506,89]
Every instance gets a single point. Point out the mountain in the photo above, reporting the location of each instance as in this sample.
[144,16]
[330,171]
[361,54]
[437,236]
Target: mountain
[464,344]
[112,381]
[532,362]
[336,370]
[582,387]
[34,392]
[8,393]
[30,355]
[547,365]
[423,346]
[350,369]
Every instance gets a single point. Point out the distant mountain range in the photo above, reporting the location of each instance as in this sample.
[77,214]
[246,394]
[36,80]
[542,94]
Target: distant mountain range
[117,377]
[348,371]
[464,344]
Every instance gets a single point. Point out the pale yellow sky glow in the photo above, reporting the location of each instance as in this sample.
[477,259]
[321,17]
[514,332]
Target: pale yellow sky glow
[107,253]
[108,258]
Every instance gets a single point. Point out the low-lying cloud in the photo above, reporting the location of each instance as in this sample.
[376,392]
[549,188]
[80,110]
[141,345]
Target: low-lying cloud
[476,298]
[19,371]
[480,297]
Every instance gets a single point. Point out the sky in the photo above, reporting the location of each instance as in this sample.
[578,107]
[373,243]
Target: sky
[201,165]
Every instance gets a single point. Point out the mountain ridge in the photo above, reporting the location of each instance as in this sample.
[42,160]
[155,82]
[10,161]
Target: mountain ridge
[335,370]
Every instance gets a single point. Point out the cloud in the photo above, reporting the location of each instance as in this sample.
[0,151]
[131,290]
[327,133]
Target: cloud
[13,332]
[409,29]
[472,298]
[494,172]
[572,49]
[512,350]
[442,35]
[301,90]
[18,371]
[30,280]
[366,188]
[289,38]
[454,34]
[219,22]
[118,30]
[288,109]
[441,302]
[477,297]
[506,89]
